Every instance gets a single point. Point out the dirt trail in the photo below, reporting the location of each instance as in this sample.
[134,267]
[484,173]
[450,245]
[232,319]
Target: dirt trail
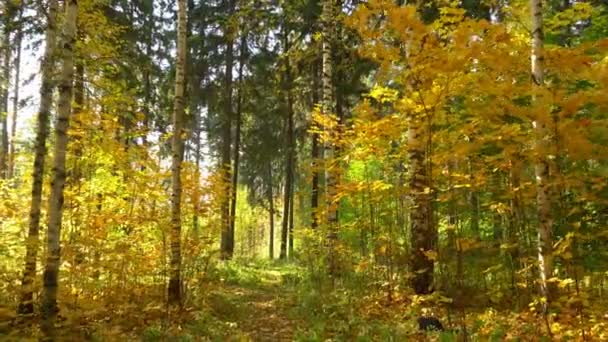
[261,312]
[267,316]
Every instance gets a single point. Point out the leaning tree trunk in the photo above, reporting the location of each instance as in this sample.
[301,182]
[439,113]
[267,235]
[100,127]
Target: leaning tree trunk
[328,150]
[174,294]
[18,41]
[423,232]
[51,271]
[541,167]
[26,303]
[227,236]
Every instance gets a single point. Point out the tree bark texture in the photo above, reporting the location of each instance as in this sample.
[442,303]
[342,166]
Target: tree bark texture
[174,291]
[26,305]
[55,210]
[541,167]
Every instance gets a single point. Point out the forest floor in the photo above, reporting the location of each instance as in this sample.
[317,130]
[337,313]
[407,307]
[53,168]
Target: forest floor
[239,302]
[263,301]
[256,311]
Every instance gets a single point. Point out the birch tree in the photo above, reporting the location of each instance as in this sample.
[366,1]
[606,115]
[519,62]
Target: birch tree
[174,290]
[26,305]
[55,210]
[541,167]
[327,19]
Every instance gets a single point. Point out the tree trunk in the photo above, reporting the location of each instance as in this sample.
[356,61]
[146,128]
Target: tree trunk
[51,271]
[515,224]
[237,138]
[541,167]
[423,233]
[474,202]
[328,150]
[288,156]
[291,204]
[270,212]
[26,305]
[315,153]
[174,290]
[227,236]
[4,85]
[18,41]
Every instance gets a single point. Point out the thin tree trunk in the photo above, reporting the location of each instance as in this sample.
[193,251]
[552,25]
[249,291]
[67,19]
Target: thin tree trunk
[227,236]
[474,202]
[51,271]
[17,65]
[328,150]
[270,212]
[174,291]
[26,305]
[237,138]
[515,223]
[541,167]
[197,165]
[315,153]
[4,85]
[149,28]
[291,204]
[288,156]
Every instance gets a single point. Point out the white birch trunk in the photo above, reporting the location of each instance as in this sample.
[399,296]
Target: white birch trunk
[26,305]
[64,109]
[541,167]
[174,289]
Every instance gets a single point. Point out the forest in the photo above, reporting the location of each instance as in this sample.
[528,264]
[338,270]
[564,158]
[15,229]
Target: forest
[303,170]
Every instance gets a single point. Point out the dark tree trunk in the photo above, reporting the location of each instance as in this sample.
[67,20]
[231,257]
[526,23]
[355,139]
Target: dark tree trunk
[314,198]
[291,204]
[270,211]
[237,138]
[227,236]
[423,232]
[288,157]
[4,85]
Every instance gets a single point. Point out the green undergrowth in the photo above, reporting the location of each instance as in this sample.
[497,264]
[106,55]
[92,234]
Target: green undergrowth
[258,300]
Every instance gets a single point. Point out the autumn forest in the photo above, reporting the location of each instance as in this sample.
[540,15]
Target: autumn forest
[303,170]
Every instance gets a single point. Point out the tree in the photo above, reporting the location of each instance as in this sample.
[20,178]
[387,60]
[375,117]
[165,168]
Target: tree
[26,305]
[4,85]
[541,167]
[55,211]
[227,235]
[174,290]
[423,232]
[315,151]
[17,81]
[289,148]
[327,87]
[237,135]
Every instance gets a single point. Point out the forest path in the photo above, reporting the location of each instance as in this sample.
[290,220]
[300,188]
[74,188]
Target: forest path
[257,303]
